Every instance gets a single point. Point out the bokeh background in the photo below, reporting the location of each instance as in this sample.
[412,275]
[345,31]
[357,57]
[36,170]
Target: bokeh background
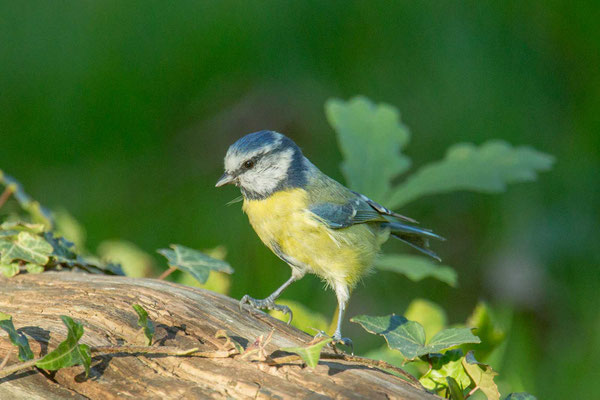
[121,112]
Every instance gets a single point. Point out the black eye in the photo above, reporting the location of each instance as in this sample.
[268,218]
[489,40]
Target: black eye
[248,164]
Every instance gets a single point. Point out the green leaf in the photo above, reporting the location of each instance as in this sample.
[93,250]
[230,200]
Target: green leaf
[67,226]
[487,328]
[455,392]
[194,262]
[61,248]
[136,262]
[27,247]
[34,268]
[370,137]
[14,227]
[482,376]
[452,337]
[520,396]
[401,334]
[487,168]
[85,355]
[311,353]
[9,270]
[430,315]
[16,338]
[446,365]
[8,233]
[144,322]
[68,352]
[36,211]
[416,268]
[409,336]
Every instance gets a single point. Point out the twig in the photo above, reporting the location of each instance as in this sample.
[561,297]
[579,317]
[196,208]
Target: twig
[358,360]
[476,388]
[372,363]
[5,360]
[168,350]
[5,195]
[19,366]
[167,273]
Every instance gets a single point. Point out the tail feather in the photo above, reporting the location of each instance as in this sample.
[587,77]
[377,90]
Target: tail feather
[422,246]
[418,238]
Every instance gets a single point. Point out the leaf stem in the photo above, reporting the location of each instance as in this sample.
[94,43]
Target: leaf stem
[5,360]
[358,360]
[18,366]
[168,350]
[167,273]
[471,392]
[5,195]
[372,363]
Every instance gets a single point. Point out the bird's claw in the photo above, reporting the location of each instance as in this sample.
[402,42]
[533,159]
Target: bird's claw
[338,339]
[268,304]
[335,339]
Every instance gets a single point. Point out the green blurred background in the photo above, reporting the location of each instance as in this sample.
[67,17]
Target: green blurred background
[121,113]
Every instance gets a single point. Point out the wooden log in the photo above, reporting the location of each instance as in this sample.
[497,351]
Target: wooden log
[185,318]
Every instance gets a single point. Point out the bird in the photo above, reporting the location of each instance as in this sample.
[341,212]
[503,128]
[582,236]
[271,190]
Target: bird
[310,221]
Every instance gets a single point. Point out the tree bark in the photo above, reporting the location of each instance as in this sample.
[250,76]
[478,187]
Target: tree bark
[185,318]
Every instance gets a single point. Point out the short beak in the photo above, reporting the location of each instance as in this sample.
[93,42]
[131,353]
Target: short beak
[224,180]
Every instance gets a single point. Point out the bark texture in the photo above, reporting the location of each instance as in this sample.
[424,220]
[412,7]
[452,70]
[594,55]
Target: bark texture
[184,317]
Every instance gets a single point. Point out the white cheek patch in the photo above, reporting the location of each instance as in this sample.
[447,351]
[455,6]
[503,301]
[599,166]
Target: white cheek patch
[234,159]
[268,173]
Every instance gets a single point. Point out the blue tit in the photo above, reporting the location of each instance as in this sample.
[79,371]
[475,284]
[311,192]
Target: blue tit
[309,220]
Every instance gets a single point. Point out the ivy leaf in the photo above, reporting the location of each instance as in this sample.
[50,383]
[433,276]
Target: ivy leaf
[451,337]
[16,338]
[136,262]
[446,365]
[69,352]
[144,322]
[34,268]
[409,336]
[428,314]
[487,168]
[487,328]
[482,376]
[61,248]
[27,247]
[8,233]
[455,392]
[14,227]
[9,270]
[416,268]
[38,213]
[311,353]
[85,356]
[370,137]
[194,262]
[401,334]
[520,396]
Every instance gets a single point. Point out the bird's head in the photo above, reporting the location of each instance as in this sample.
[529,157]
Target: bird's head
[262,163]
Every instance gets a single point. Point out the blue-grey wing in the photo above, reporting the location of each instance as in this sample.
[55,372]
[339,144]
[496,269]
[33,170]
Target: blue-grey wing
[337,216]
[383,210]
[361,209]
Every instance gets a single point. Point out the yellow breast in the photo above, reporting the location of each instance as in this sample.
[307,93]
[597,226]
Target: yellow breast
[337,255]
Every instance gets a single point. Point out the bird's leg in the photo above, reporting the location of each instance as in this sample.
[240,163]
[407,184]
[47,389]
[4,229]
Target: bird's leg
[342,296]
[269,302]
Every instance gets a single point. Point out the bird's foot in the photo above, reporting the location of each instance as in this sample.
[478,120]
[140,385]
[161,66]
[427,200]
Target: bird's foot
[336,339]
[266,304]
